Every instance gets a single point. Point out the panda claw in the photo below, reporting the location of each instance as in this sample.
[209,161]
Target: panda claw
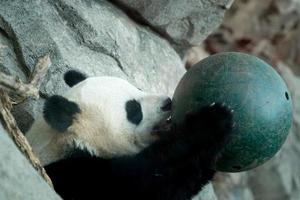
[213,104]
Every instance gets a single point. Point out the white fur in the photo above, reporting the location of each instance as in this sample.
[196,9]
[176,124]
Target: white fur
[102,127]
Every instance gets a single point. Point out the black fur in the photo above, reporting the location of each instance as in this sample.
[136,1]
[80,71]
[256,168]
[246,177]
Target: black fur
[73,77]
[59,112]
[175,167]
[134,111]
[167,105]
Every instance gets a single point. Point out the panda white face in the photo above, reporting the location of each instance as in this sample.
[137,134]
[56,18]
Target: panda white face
[116,118]
[107,116]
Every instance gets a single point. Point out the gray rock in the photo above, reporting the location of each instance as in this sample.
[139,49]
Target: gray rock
[207,193]
[98,38]
[183,22]
[233,186]
[18,180]
[9,63]
[93,37]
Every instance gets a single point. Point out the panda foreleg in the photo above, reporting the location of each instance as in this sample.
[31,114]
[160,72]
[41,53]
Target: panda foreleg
[209,130]
[177,167]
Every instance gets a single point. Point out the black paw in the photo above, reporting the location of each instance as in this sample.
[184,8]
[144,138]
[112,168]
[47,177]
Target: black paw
[211,125]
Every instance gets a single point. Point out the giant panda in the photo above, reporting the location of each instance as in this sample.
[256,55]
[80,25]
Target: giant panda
[106,139]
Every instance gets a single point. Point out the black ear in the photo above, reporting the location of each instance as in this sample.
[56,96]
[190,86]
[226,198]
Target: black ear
[73,77]
[59,112]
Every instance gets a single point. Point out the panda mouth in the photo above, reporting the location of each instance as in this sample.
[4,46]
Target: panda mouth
[163,127]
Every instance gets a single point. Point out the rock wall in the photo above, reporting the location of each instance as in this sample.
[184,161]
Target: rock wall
[133,40]
[182,23]
[18,179]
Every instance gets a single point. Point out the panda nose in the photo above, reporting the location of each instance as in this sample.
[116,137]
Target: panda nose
[167,104]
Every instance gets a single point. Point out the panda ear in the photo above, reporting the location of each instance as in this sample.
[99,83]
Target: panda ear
[59,112]
[73,77]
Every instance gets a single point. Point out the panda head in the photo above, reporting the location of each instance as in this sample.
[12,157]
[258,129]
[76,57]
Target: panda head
[107,116]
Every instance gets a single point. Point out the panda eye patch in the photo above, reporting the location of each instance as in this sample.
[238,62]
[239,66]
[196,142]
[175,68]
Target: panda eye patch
[134,111]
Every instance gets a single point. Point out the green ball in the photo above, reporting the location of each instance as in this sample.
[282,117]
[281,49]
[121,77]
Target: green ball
[259,97]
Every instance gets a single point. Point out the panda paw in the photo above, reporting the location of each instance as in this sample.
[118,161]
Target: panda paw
[211,126]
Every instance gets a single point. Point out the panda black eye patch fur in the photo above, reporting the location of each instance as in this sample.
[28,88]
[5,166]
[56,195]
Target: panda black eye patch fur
[134,111]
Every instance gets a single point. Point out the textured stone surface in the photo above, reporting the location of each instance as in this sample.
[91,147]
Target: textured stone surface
[18,180]
[207,193]
[183,22]
[96,38]
[8,60]
[93,37]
